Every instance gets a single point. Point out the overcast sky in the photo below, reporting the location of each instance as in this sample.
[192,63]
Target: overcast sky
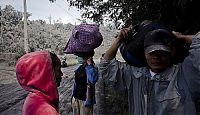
[43,9]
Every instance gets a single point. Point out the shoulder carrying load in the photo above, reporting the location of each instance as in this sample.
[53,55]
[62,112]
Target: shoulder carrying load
[84,38]
[132,49]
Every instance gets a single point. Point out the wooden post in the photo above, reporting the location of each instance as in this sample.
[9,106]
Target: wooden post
[25,29]
[1,28]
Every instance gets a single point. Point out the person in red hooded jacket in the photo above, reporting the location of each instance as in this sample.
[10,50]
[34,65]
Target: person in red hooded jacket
[39,73]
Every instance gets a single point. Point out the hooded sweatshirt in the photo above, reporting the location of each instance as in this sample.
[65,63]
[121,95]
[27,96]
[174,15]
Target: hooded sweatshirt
[35,74]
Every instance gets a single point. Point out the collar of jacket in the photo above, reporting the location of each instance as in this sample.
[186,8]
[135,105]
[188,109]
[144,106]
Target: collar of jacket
[166,75]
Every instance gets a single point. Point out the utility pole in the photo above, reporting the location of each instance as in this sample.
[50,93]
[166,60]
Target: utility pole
[1,26]
[50,35]
[50,19]
[25,29]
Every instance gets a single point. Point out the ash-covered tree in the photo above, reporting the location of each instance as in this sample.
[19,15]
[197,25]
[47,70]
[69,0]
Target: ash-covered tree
[179,14]
[52,37]
[11,30]
[41,35]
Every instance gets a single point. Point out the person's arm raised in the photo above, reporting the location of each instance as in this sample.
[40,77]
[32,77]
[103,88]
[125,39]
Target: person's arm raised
[190,67]
[186,38]
[112,51]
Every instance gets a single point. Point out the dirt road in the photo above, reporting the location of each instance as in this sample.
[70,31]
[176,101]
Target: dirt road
[12,95]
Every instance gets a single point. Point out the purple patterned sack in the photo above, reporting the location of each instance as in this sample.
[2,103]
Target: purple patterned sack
[84,38]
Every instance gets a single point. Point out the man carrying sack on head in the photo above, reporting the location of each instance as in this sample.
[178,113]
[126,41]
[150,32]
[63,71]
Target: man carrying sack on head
[84,39]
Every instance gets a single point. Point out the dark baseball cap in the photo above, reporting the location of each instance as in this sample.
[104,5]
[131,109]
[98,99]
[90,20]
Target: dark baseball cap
[159,39]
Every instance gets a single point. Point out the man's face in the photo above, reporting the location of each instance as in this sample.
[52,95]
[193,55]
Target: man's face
[58,73]
[158,60]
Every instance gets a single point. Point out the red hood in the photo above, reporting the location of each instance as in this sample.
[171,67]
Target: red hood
[35,74]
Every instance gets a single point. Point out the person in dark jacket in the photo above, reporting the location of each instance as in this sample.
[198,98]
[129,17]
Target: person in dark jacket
[82,42]
[86,76]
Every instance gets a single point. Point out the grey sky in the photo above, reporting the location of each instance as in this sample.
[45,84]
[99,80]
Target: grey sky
[43,9]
